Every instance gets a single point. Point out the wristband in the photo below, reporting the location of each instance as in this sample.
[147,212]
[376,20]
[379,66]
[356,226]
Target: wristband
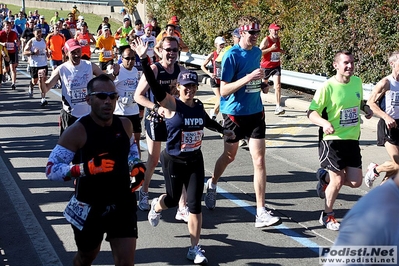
[364,106]
[155,108]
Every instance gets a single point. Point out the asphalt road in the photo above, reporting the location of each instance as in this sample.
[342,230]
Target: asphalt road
[33,230]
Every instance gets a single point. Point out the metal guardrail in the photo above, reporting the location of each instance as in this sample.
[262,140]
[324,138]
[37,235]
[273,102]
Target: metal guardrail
[291,78]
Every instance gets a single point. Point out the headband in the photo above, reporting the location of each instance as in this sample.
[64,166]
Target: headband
[253,26]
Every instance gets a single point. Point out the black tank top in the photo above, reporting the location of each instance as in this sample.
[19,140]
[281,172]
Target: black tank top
[166,80]
[106,188]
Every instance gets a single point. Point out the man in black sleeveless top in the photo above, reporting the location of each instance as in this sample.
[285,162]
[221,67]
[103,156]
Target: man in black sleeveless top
[98,146]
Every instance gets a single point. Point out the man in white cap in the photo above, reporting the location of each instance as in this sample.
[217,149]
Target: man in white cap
[74,75]
[44,26]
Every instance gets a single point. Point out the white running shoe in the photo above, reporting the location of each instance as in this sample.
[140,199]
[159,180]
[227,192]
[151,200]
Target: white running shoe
[153,216]
[143,200]
[266,219]
[370,175]
[182,214]
[279,111]
[210,196]
[196,254]
[329,222]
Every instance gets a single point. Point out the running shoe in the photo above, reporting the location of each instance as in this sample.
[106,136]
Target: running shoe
[143,200]
[13,86]
[370,175]
[210,196]
[43,102]
[266,219]
[153,216]
[8,77]
[322,184]
[279,111]
[242,143]
[329,222]
[182,214]
[196,254]
[30,91]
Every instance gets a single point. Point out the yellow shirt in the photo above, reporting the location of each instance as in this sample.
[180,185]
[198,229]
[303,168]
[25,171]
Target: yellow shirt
[108,44]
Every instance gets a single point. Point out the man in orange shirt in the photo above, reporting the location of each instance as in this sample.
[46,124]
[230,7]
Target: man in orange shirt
[106,46]
[85,39]
[55,41]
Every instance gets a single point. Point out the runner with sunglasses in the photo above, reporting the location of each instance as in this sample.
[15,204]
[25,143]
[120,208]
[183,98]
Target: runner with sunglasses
[242,110]
[74,75]
[103,201]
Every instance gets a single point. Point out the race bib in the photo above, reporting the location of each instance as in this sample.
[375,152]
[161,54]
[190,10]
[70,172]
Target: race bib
[127,98]
[218,69]
[191,141]
[76,212]
[275,57]
[253,86]
[10,45]
[107,54]
[78,95]
[349,117]
[393,97]
[83,42]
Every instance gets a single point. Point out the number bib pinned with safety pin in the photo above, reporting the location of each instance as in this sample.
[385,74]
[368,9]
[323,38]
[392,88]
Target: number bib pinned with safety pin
[76,212]
[191,141]
[349,117]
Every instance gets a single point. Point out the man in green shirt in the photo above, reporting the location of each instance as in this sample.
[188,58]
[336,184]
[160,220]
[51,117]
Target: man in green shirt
[336,108]
[54,19]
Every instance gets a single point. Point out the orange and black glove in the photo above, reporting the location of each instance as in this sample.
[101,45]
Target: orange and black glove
[137,175]
[98,165]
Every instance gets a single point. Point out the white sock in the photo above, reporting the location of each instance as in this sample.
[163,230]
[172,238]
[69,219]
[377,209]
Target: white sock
[210,184]
[260,210]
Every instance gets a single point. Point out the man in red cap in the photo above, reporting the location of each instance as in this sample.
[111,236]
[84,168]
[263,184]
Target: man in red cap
[74,75]
[271,52]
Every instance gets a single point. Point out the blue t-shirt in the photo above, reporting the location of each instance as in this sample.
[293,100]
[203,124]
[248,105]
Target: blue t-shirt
[236,64]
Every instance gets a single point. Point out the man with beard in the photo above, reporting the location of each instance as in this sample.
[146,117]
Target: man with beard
[74,75]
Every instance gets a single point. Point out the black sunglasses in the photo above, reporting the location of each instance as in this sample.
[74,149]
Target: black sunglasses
[175,50]
[129,58]
[254,32]
[104,95]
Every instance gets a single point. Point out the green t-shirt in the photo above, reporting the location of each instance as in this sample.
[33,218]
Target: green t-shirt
[124,33]
[342,104]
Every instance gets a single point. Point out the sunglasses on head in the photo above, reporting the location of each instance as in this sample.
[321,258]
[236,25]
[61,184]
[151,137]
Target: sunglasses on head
[129,58]
[175,50]
[104,95]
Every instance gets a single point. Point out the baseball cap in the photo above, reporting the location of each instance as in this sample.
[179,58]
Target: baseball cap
[81,17]
[36,28]
[171,23]
[220,40]
[174,19]
[126,19]
[187,77]
[148,25]
[138,22]
[122,10]
[41,17]
[274,26]
[105,27]
[71,45]
[83,24]
[236,33]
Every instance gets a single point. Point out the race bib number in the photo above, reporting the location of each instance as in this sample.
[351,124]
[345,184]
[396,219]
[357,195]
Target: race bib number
[73,31]
[253,86]
[191,141]
[275,57]
[349,117]
[393,97]
[78,95]
[76,212]
[218,69]
[127,98]
[83,42]
[107,54]
[10,45]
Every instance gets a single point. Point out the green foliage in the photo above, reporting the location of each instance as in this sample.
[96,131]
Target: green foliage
[312,31]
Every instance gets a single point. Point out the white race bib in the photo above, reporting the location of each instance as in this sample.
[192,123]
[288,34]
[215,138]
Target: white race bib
[107,54]
[275,57]
[10,45]
[191,141]
[78,95]
[76,212]
[349,117]
[253,86]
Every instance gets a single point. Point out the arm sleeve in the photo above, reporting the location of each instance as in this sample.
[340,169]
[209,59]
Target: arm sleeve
[155,87]
[59,166]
